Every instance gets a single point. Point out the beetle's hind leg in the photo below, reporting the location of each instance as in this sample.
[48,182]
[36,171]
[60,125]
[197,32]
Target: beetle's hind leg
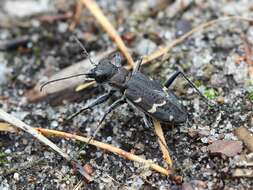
[101,99]
[147,121]
[171,79]
[175,75]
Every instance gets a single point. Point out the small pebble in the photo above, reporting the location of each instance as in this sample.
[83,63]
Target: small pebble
[145,46]
[54,124]
[182,27]
[109,139]
[7,151]
[82,152]
[16,176]
[3,71]
[62,27]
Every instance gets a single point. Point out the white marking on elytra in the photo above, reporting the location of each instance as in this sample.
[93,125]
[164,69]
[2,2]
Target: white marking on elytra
[165,89]
[151,78]
[171,117]
[153,109]
[138,100]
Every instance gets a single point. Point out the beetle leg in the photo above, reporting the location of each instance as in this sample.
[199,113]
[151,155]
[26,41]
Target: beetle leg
[175,75]
[116,104]
[147,121]
[99,100]
[171,79]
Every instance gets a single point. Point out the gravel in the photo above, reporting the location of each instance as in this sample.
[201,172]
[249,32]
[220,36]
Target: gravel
[209,58]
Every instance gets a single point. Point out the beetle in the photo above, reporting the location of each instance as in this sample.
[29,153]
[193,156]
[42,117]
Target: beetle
[149,96]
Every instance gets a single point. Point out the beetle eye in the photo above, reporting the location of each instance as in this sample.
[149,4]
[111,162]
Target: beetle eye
[103,75]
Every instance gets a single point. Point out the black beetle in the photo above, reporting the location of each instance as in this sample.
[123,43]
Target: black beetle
[148,95]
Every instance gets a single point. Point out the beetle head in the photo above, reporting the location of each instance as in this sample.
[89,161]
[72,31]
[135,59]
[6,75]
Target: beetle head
[103,71]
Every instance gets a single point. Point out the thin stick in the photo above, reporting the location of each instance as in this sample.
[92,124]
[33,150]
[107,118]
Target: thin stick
[107,147]
[21,125]
[165,49]
[77,16]
[248,53]
[98,14]
[162,142]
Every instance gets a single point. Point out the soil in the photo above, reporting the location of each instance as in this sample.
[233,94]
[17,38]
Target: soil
[213,59]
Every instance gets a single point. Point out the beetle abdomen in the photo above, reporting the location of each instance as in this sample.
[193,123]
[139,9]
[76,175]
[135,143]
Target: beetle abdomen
[154,100]
[171,112]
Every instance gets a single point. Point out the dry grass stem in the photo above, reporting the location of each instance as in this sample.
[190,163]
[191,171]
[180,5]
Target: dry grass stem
[84,86]
[163,50]
[107,147]
[248,53]
[23,126]
[239,172]
[77,16]
[162,142]
[7,127]
[108,27]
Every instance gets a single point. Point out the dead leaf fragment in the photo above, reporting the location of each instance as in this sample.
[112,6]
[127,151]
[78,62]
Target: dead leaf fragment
[194,184]
[88,168]
[227,147]
[243,173]
[246,136]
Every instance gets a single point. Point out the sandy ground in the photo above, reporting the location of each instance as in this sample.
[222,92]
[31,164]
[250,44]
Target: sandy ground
[214,60]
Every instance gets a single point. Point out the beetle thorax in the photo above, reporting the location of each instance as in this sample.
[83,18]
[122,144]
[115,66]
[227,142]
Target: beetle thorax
[119,79]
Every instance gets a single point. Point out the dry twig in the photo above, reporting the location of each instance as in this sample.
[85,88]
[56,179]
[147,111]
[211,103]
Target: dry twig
[99,15]
[162,142]
[248,53]
[7,127]
[77,16]
[23,126]
[108,147]
[239,172]
[164,50]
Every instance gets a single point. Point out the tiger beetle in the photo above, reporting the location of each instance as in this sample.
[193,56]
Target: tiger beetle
[149,96]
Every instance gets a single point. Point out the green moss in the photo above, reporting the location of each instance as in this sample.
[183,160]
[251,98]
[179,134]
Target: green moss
[250,96]
[198,83]
[36,51]
[186,66]
[211,93]
[3,159]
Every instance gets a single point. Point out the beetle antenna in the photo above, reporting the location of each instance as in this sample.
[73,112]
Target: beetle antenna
[84,49]
[59,79]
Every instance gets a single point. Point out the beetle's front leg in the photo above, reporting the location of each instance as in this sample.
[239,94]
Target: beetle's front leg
[116,104]
[101,99]
[138,65]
